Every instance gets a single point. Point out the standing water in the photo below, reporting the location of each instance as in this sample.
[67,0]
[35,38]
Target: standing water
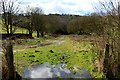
[51,71]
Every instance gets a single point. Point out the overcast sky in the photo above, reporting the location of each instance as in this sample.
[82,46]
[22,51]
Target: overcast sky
[77,7]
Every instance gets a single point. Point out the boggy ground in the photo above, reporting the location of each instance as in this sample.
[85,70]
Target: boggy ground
[71,50]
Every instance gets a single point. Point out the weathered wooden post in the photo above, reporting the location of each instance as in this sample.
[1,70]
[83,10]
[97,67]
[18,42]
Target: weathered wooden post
[9,58]
[107,67]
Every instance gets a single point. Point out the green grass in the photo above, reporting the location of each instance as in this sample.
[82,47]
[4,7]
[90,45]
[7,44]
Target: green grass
[17,30]
[73,54]
[21,30]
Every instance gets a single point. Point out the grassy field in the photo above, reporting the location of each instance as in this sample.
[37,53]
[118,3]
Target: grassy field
[61,49]
[18,30]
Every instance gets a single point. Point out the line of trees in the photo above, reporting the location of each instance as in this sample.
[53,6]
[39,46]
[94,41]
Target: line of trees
[95,23]
[60,24]
[35,20]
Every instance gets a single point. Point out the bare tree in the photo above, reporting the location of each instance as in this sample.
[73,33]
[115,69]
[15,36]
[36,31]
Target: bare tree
[37,20]
[112,18]
[9,8]
[28,21]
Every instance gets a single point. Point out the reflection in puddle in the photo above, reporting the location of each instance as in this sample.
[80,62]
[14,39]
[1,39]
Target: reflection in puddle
[51,71]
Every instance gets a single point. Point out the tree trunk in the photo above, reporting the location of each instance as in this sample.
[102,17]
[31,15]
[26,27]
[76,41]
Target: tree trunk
[5,17]
[30,32]
[10,21]
[38,35]
[6,24]
[10,59]
[42,34]
[7,29]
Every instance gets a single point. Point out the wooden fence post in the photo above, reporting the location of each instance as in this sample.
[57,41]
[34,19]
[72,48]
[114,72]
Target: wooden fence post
[107,67]
[10,59]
